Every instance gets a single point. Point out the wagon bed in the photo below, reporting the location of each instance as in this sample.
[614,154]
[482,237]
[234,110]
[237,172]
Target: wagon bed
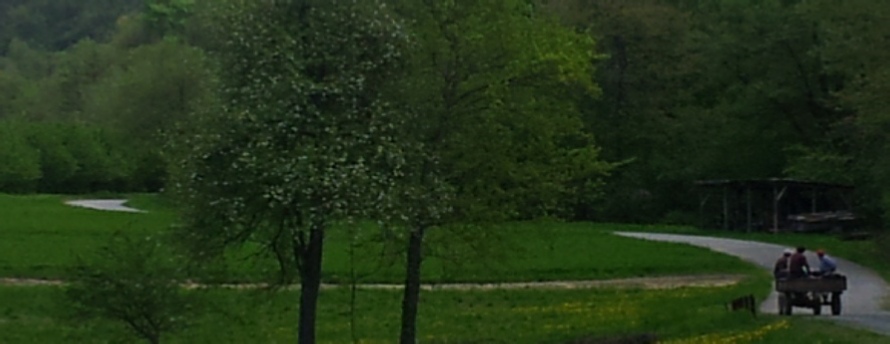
[811,292]
[827,284]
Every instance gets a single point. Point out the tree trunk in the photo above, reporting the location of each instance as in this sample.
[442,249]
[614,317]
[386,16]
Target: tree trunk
[154,338]
[310,281]
[412,287]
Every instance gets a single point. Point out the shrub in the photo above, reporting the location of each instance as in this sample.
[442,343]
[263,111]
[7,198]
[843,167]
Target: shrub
[135,282]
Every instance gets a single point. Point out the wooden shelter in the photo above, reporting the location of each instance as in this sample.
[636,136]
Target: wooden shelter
[768,204]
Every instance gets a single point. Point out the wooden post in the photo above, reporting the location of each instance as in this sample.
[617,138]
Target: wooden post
[748,201]
[701,210]
[777,196]
[725,209]
[775,209]
[813,202]
[844,196]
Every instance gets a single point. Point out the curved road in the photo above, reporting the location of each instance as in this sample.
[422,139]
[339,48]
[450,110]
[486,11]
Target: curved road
[866,291]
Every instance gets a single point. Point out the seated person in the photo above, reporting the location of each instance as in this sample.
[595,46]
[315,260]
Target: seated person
[781,268]
[827,265]
[798,267]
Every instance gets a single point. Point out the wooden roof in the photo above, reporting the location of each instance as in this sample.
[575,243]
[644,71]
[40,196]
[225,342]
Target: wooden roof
[769,183]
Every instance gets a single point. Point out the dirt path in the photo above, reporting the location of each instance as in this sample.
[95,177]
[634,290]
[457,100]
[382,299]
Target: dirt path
[664,282]
[861,302]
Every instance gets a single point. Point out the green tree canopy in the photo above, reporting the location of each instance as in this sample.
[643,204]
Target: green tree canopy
[305,134]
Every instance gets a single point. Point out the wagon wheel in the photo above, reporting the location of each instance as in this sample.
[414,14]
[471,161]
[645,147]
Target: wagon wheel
[814,300]
[782,302]
[788,303]
[835,303]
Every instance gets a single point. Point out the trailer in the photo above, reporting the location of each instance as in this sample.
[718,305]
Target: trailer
[811,292]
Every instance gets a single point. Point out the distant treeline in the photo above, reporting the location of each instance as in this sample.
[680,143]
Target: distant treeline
[685,90]
[51,157]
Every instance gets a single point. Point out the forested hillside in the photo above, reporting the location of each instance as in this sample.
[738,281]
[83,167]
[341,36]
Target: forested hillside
[601,110]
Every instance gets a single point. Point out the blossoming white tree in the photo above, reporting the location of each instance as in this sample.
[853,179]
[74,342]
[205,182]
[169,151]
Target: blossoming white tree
[304,135]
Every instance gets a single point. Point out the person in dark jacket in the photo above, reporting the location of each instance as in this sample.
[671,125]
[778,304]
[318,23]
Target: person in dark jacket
[783,264]
[798,266]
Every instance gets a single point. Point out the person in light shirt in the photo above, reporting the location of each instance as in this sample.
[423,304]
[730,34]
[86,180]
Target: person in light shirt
[827,265]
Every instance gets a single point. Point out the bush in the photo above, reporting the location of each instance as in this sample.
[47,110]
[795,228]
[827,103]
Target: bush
[135,282]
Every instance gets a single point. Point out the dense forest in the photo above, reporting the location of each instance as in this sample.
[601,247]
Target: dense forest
[603,110]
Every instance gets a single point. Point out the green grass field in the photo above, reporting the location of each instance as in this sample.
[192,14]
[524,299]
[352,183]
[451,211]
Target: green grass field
[42,237]
[692,315]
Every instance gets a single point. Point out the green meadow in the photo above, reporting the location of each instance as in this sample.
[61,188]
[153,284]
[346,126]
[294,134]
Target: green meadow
[686,315]
[42,237]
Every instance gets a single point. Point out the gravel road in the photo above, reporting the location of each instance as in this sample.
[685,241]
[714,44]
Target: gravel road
[104,204]
[861,302]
